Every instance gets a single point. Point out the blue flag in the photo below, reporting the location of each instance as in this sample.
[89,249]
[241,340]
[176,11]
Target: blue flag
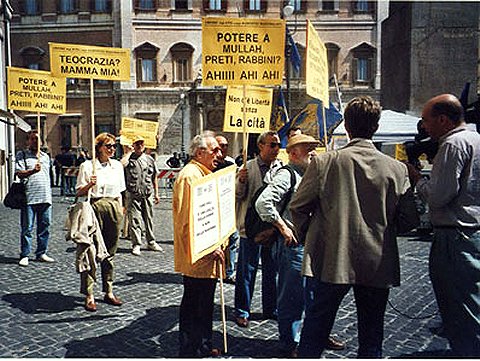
[295,58]
[280,120]
[310,119]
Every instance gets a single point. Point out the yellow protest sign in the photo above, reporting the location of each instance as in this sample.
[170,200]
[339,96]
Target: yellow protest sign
[257,106]
[89,62]
[132,127]
[316,66]
[212,212]
[242,51]
[36,90]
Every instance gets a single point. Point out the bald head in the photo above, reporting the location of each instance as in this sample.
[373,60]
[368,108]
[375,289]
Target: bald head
[441,114]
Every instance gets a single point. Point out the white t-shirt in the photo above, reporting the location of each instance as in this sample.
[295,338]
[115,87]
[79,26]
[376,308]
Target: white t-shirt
[110,178]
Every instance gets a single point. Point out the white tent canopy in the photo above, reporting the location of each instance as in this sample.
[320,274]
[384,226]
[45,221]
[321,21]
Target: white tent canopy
[393,127]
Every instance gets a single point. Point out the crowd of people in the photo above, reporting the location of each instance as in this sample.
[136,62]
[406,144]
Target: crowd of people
[336,216]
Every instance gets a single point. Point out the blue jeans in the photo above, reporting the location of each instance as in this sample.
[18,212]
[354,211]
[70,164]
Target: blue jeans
[232,254]
[43,213]
[290,299]
[321,305]
[247,265]
[455,273]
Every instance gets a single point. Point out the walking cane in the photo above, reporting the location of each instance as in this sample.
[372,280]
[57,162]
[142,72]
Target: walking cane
[222,305]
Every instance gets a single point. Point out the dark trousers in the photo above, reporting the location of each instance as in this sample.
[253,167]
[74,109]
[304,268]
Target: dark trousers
[322,301]
[196,317]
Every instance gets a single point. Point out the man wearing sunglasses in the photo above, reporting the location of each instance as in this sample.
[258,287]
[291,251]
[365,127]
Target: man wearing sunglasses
[249,178]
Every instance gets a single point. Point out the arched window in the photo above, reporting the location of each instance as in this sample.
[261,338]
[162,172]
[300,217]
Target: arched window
[182,62]
[363,60]
[32,57]
[332,58]
[146,55]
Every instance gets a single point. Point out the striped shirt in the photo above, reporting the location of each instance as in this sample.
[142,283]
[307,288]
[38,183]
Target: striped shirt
[38,188]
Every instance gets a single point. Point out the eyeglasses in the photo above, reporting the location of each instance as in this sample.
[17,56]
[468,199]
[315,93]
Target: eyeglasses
[214,150]
[110,146]
[224,145]
[274,144]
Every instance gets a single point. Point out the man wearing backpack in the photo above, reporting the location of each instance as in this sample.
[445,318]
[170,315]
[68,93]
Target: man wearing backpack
[249,179]
[272,207]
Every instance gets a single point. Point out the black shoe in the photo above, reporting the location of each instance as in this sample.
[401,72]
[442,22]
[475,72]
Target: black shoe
[269,316]
[230,280]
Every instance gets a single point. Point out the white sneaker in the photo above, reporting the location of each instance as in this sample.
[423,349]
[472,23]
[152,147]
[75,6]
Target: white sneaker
[154,246]
[45,258]
[136,250]
[23,262]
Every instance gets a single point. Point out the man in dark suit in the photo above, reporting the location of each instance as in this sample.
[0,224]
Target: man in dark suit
[347,210]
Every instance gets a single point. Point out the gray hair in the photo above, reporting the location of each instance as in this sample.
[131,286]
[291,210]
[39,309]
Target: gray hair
[200,141]
[261,138]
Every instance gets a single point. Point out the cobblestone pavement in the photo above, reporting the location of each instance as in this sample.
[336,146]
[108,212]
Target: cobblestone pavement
[42,315]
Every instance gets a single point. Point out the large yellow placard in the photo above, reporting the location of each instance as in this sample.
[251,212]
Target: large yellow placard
[257,106]
[316,66]
[132,127]
[212,217]
[36,90]
[89,62]
[242,51]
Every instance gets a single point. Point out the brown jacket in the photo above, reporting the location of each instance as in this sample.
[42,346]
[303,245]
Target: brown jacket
[347,210]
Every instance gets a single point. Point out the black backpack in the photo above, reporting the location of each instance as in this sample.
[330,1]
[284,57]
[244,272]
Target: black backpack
[261,232]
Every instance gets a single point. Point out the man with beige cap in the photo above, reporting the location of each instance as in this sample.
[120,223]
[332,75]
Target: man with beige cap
[141,182]
[289,253]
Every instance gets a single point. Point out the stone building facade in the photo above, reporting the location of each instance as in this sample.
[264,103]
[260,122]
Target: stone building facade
[165,39]
[429,48]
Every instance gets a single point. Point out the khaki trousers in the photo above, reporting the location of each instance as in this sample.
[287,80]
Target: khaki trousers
[109,216]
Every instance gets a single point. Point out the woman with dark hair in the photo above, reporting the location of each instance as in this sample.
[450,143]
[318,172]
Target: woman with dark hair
[104,179]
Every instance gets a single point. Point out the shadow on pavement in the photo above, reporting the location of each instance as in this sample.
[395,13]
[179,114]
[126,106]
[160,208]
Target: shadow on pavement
[139,339]
[154,278]
[156,335]
[43,302]
[8,260]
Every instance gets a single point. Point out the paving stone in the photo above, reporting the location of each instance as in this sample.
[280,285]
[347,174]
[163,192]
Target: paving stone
[43,317]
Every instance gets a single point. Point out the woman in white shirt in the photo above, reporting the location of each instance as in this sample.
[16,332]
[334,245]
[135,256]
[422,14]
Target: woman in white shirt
[105,182]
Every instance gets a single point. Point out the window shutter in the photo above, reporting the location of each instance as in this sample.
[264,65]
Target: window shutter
[303,6]
[354,70]
[263,5]
[224,5]
[370,70]
[139,70]
[154,73]
[206,5]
